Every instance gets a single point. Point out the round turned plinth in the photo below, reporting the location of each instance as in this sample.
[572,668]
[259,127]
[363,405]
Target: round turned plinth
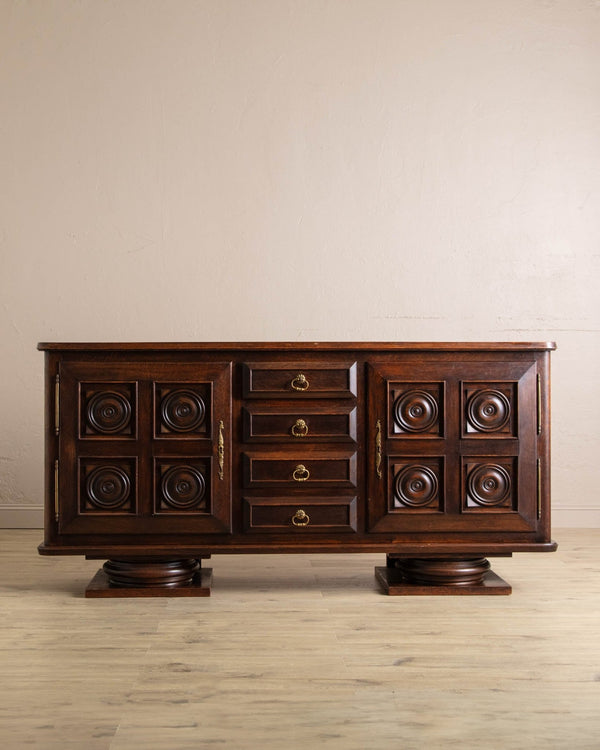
[140,573]
[440,572]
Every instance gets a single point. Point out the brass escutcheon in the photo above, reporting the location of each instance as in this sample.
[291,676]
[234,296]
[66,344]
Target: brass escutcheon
[300,518]
[378,449]
[301,473]
[300,428]
[300,383]
[221,451]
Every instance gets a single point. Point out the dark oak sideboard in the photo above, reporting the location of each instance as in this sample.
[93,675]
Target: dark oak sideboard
[161,455]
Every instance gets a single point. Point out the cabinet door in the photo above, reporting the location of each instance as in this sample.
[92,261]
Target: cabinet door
[452,447]
[144,448]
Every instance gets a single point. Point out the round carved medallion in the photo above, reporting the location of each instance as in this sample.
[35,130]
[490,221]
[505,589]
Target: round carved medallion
[108,487]
[489,484]
[416,486]
[183,411]
[415,411]
[183,487]
[108,412]
[488,410]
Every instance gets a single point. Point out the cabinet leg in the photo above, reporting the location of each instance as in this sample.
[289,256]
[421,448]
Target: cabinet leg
[434,576]
[136,577]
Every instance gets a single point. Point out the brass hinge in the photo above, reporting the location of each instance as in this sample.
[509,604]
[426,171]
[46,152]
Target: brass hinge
[539,488]
[539,404]
[56,491]
[57,405]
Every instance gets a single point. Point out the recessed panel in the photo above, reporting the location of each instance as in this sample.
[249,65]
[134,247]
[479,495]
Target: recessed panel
[416,409]
[107,410]
[489,410]
[182,486]
[107,485]
[490,484]
[182,410]
[417,484]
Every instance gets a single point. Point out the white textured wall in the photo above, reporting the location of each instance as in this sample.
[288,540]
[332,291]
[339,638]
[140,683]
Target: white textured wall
[301,169]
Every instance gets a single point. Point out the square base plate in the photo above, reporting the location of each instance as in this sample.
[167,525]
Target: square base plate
[100,588]
[393,584]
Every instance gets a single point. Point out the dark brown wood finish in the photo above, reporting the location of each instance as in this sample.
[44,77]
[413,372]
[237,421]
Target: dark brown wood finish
[158,454]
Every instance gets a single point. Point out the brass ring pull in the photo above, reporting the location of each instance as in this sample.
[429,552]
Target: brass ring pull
[300,518]
[300,383]
[301,473]
[300,428]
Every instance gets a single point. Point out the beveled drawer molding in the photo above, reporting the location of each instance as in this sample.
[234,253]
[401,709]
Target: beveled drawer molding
[317,380]
[333,469]
[320,514]
[300,424]
[161,455]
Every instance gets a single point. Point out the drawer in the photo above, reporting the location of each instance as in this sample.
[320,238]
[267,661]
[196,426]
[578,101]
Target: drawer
[301,470]
[318,514]
[299,425]
[300,380]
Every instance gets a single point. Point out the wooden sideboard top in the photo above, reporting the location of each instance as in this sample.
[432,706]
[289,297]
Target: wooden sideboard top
[399,346]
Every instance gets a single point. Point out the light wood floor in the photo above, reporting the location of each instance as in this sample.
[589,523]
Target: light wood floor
[301,652]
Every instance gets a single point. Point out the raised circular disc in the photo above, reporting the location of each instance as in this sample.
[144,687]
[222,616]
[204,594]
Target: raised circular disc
[183,410]
[489,484]
[416,411]
[488,410]
[108,487]
[183,487]
[108,412]
[416,486]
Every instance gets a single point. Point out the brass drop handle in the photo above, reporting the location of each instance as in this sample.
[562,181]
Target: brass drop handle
[300,428]
[301,473]
[300,383]
[300,518]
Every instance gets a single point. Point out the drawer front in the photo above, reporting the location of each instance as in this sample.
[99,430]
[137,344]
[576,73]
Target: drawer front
[302,381]
[319,514]
[294,424]
[332,469]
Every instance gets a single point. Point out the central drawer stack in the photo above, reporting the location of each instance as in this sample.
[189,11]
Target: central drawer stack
[300,432]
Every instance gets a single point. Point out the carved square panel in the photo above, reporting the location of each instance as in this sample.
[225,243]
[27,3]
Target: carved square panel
[416,409]
[182,485]
[107,410]
[489,410]
[107,485]
[490,484]
[183,410]
[416,484]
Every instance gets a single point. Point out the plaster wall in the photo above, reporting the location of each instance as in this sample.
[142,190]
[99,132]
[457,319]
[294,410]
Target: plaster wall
[300,169]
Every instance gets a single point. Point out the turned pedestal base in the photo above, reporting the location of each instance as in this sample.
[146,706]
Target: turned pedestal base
[435,576]
[137,577]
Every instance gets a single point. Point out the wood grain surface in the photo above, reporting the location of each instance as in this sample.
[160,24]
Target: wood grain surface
[301,651]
